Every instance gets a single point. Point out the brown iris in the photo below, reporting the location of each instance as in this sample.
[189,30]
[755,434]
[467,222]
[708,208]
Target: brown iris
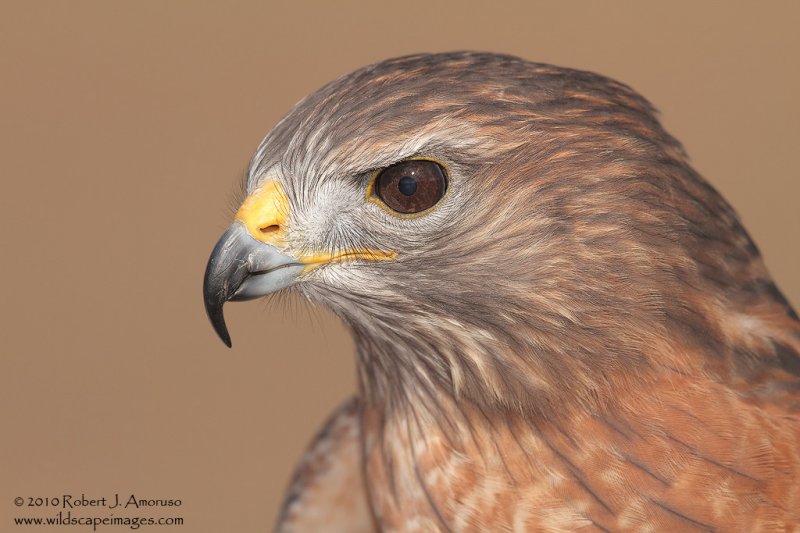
[411,186]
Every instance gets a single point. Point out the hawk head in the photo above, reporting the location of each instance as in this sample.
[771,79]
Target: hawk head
[510,232]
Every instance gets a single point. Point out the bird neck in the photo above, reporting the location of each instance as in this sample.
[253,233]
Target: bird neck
[586,368]
[472,367]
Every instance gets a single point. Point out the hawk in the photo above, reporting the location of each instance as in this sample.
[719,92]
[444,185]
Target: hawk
[560,325]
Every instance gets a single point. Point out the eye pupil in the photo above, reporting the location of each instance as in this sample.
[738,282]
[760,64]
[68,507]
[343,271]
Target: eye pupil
[407,185]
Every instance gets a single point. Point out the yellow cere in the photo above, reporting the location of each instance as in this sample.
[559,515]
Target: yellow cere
[264,214]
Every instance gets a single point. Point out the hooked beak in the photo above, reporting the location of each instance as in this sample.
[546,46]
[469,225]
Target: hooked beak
[242,268]
[251,257]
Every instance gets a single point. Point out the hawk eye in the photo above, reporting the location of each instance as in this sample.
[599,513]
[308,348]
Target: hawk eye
[411,186]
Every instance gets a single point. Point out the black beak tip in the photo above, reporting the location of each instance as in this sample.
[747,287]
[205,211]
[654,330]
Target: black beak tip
[226,270]
[218,322]
[224,335]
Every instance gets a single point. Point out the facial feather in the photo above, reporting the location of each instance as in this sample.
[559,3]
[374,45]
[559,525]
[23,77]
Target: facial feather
[579,334]
[575,239]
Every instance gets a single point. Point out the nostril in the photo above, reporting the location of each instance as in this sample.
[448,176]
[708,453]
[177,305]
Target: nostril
[272,228]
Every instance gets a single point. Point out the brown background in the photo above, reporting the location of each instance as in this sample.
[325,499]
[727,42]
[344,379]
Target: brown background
[124,130]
